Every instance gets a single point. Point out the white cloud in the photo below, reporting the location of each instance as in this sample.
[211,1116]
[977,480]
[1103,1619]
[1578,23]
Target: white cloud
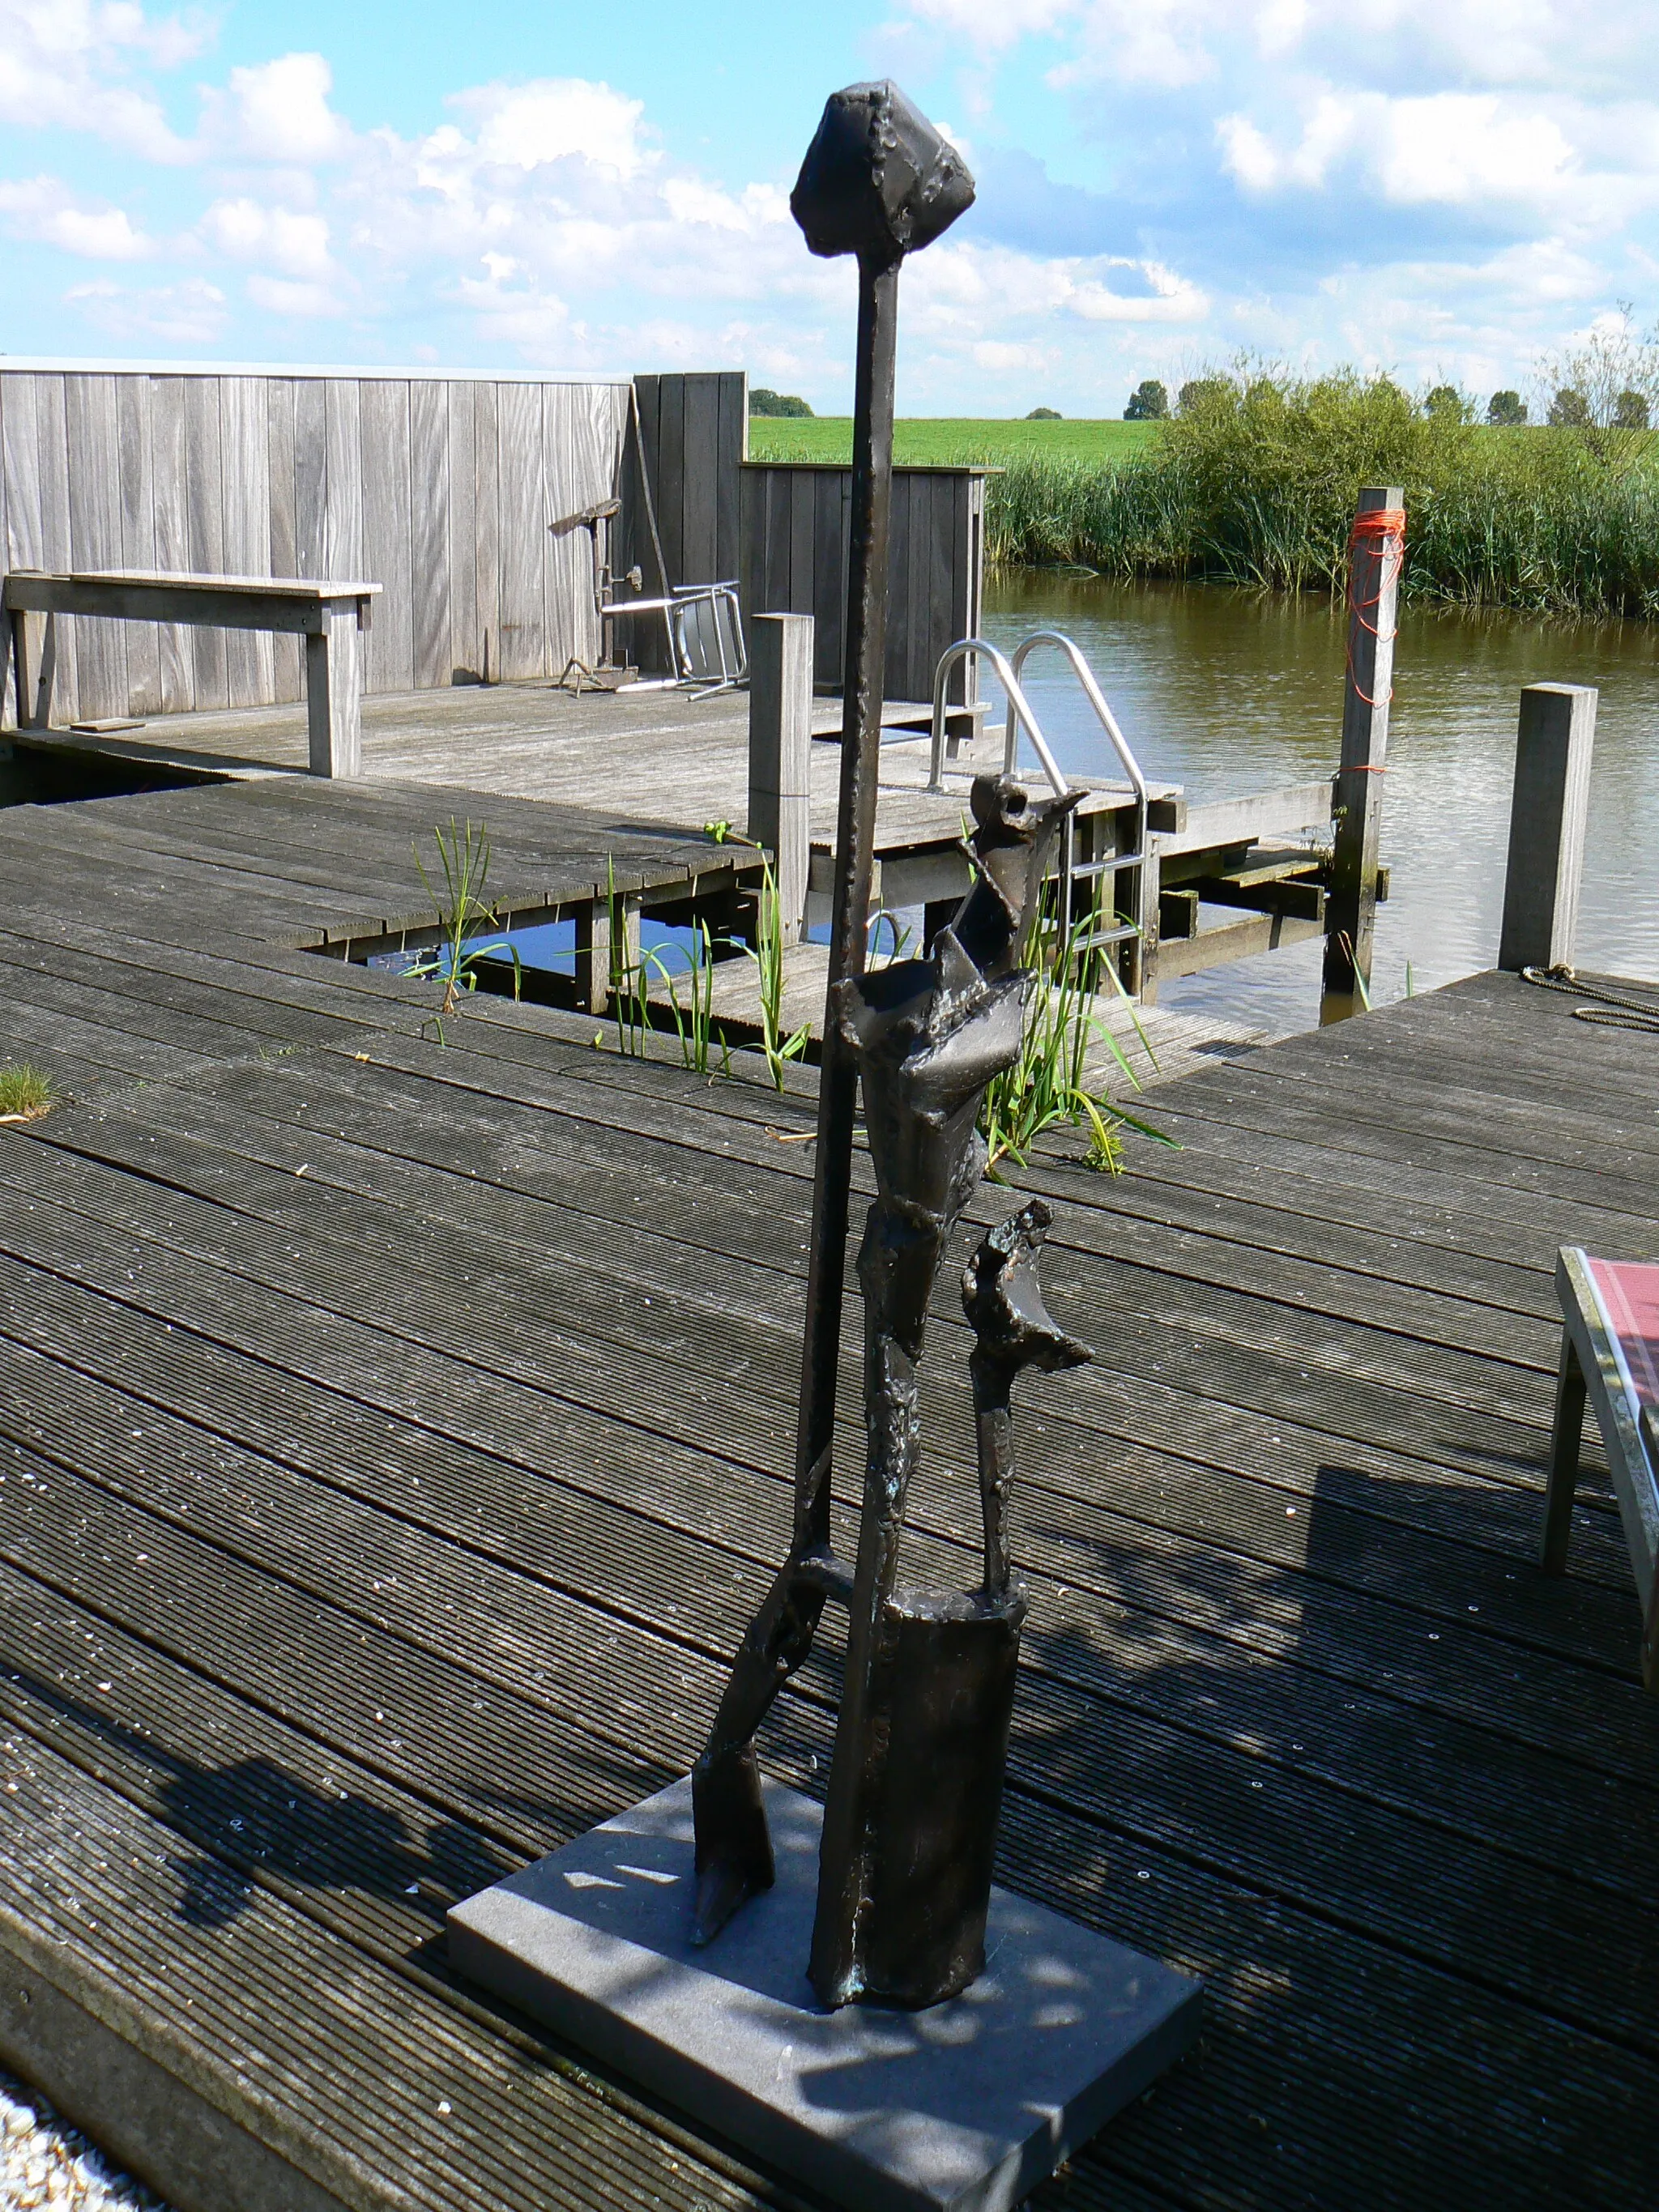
[297,245]
[1449,179]
[990,25]
[192,313]
[62,66]
[1460,148]
[1249,155]
[281,295]
[525,126]
[43,210]
[279,111]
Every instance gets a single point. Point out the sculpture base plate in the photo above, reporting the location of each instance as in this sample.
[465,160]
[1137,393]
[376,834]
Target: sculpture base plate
[967,2106]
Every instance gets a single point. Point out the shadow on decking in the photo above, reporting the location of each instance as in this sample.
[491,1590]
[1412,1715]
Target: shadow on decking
[254,1815]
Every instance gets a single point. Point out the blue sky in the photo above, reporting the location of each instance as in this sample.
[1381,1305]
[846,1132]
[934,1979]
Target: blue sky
[1457,190]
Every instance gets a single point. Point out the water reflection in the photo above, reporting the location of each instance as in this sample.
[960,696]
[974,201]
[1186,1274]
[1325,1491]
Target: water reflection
[1230,692]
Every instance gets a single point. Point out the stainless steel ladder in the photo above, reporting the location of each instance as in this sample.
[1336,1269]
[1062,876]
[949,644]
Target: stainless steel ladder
[1020,717]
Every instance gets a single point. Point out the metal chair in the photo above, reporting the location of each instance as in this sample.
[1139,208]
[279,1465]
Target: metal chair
[703,623]
[1610,1358]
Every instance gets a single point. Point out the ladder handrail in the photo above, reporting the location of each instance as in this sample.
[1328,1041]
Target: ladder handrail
[1019,714]
[1091,692]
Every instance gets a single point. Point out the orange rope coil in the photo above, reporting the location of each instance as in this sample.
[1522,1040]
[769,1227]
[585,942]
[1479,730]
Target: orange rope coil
[1381,529]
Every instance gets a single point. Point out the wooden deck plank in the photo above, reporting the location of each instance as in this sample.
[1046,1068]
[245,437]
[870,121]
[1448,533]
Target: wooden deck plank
[446,1393]
[150,1275]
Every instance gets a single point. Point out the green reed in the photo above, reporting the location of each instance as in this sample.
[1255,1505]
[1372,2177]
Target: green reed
[1050,1083]
[1255,484]
[464,852]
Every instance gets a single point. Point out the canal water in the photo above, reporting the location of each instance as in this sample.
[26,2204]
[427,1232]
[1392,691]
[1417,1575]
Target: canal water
[1229,692]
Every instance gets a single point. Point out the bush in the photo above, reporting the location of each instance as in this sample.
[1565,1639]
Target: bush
[762,402]
[1148,402]
[1045,415]
[1506,408]
[1255,484]
[1202,392]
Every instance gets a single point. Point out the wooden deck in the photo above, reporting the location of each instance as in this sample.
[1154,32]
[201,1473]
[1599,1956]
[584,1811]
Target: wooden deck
[652,755]
[391,1449]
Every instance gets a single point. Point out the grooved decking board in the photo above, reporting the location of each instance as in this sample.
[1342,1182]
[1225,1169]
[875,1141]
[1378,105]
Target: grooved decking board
[414,1422]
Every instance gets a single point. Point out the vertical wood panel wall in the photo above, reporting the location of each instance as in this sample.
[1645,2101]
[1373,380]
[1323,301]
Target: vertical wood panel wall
[795,535]
[694,435]
[440,489]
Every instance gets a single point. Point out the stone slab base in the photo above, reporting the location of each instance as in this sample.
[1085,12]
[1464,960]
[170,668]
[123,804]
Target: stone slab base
[962,2108]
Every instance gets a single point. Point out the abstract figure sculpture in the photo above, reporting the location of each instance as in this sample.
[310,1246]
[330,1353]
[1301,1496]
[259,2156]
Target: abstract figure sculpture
[915,1783]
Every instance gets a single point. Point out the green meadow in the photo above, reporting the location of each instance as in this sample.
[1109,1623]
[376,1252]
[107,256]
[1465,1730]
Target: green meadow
[932,440]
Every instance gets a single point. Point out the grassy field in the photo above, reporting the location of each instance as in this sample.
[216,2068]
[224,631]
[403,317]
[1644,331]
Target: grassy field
[935,439]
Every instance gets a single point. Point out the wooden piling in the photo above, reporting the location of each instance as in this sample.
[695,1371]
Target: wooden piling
[1373,593]
[607,949]
[1547,813]
[781,647]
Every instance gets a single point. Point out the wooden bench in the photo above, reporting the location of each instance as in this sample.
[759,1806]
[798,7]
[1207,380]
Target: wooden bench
[330,616]
[1610,1356]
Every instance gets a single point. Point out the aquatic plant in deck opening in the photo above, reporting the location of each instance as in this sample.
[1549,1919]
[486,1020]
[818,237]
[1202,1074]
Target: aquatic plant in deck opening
[464,851]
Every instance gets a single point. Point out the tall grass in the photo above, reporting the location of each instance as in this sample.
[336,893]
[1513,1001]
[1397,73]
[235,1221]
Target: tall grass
[1048,1084]
[1255,483]
[26,1091]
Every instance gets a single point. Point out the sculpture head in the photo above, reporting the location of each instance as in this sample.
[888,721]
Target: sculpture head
[1013,843]
[878,180]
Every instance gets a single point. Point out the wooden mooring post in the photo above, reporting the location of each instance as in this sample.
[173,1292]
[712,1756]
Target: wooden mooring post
[1378,543]
[781,648]
[1547,813]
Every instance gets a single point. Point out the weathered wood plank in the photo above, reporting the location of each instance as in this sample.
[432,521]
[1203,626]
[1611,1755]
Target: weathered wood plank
[51,431]
[204,512]
[135,451]
[430,498]
[343,478]
[731,451]
[95,534]
[246,527]
[282,555]
[169,445]
[487,507]
[524,519]
[700,488]
[465,663]
[389,659]
[672,474]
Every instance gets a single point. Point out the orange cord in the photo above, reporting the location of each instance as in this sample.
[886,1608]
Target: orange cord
[1384,528]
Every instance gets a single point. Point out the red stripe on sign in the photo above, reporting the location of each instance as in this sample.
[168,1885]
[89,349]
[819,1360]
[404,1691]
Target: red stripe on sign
[1629,1291]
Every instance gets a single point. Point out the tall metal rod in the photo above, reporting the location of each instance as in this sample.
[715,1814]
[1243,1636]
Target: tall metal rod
[855,837]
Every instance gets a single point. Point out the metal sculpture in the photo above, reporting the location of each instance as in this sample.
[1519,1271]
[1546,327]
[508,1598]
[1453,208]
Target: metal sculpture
[915,1783]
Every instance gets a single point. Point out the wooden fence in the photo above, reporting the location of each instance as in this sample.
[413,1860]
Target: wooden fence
[439,489]
[795,522]
[461,497]
[694,436]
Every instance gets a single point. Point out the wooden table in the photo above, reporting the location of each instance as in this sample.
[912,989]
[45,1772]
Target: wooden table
[330,617]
